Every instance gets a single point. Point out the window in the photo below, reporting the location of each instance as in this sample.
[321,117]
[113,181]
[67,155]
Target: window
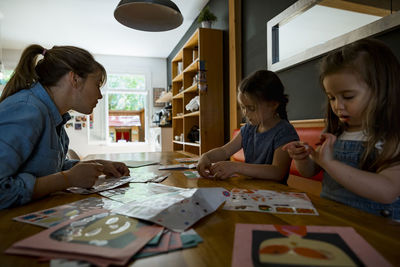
[119,116]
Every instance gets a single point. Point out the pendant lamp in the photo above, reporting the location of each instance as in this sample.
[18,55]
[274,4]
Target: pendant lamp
[149,15]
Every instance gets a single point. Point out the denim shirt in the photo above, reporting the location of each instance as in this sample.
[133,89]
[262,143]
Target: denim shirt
[33,143]
[350,152]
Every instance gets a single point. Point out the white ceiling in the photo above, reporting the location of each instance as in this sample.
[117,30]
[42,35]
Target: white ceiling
[89,24]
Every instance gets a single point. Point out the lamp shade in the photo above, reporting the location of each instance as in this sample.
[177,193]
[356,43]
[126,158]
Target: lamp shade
[148,15]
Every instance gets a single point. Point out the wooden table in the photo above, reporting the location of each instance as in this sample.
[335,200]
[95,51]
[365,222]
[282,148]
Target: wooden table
[217,229]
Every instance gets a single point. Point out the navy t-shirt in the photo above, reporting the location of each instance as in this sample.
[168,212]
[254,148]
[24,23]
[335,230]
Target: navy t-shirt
[259,148]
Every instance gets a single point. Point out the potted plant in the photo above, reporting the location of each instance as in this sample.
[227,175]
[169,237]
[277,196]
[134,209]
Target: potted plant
[206,18]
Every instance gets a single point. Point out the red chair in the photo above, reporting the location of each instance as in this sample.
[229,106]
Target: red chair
[238,156]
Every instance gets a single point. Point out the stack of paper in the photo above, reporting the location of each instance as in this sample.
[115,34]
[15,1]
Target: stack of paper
[170,241]
[99,237]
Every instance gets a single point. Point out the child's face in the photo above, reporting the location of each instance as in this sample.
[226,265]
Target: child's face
[256,112]
[348,97]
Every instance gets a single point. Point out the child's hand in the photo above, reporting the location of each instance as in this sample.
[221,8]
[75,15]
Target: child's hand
[324,152]
[84,174]
[298,150]
[203,167]
[223,169]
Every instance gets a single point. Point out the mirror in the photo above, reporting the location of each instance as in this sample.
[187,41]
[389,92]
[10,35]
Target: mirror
[310,28]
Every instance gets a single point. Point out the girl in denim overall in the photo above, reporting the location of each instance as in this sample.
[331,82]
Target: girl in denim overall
[360,147]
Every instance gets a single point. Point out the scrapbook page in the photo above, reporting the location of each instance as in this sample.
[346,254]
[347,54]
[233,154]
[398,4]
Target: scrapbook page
[102,184]
[53,216]
[144,175]
[287,245]
[270,201]
[95,236]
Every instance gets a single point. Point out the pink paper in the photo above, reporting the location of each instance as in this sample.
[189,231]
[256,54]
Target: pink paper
[96,237]
[290,242]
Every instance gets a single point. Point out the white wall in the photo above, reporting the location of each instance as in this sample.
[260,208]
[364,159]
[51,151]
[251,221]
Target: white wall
[155,70]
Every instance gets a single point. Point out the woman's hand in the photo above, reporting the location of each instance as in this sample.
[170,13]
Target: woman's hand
[84,174]
[223,169]
[114,168]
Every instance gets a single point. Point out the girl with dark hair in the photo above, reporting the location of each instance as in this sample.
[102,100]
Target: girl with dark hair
[263,102]
[33,110]
[360,151]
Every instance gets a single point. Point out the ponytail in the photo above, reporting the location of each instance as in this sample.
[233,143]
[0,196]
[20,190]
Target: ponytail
[24,75]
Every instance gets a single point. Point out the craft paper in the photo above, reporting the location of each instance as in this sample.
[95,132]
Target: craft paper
[102,184]
[98,234]
[173,207]
[68,263]
[187,160]
[287,245]
[171,241]
[136,164]
[51,217]
[177,167]
[270,201]
[192,174]
[143,175]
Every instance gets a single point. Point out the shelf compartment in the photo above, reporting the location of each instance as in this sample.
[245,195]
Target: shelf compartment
[192,149]
[177,106]
[178,78]
[194,113]
[193,67]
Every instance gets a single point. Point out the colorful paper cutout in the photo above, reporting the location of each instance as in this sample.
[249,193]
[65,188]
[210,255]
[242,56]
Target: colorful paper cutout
[270,201]
[287,245]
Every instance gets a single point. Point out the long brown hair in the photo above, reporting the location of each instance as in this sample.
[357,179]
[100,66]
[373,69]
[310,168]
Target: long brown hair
[56,62]
[265,85]
[379,68]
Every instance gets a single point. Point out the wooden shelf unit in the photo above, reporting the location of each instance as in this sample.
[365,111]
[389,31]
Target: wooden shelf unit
[207,44]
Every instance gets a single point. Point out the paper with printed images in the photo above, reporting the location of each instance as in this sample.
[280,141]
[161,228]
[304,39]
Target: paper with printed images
[270,201]
[137,164]
[102,184]
[192,174]
[173,207]
[144,175]
[98,236]
[177,167]
[53,216]
[292,245]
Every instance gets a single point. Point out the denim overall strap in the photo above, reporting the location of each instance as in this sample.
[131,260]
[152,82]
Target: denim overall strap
[350,152]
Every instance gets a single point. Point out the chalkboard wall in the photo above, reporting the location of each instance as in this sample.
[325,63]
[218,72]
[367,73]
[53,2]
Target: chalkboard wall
[306,98]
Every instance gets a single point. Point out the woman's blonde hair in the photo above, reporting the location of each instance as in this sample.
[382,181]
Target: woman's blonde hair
[56,62]
[378,67]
